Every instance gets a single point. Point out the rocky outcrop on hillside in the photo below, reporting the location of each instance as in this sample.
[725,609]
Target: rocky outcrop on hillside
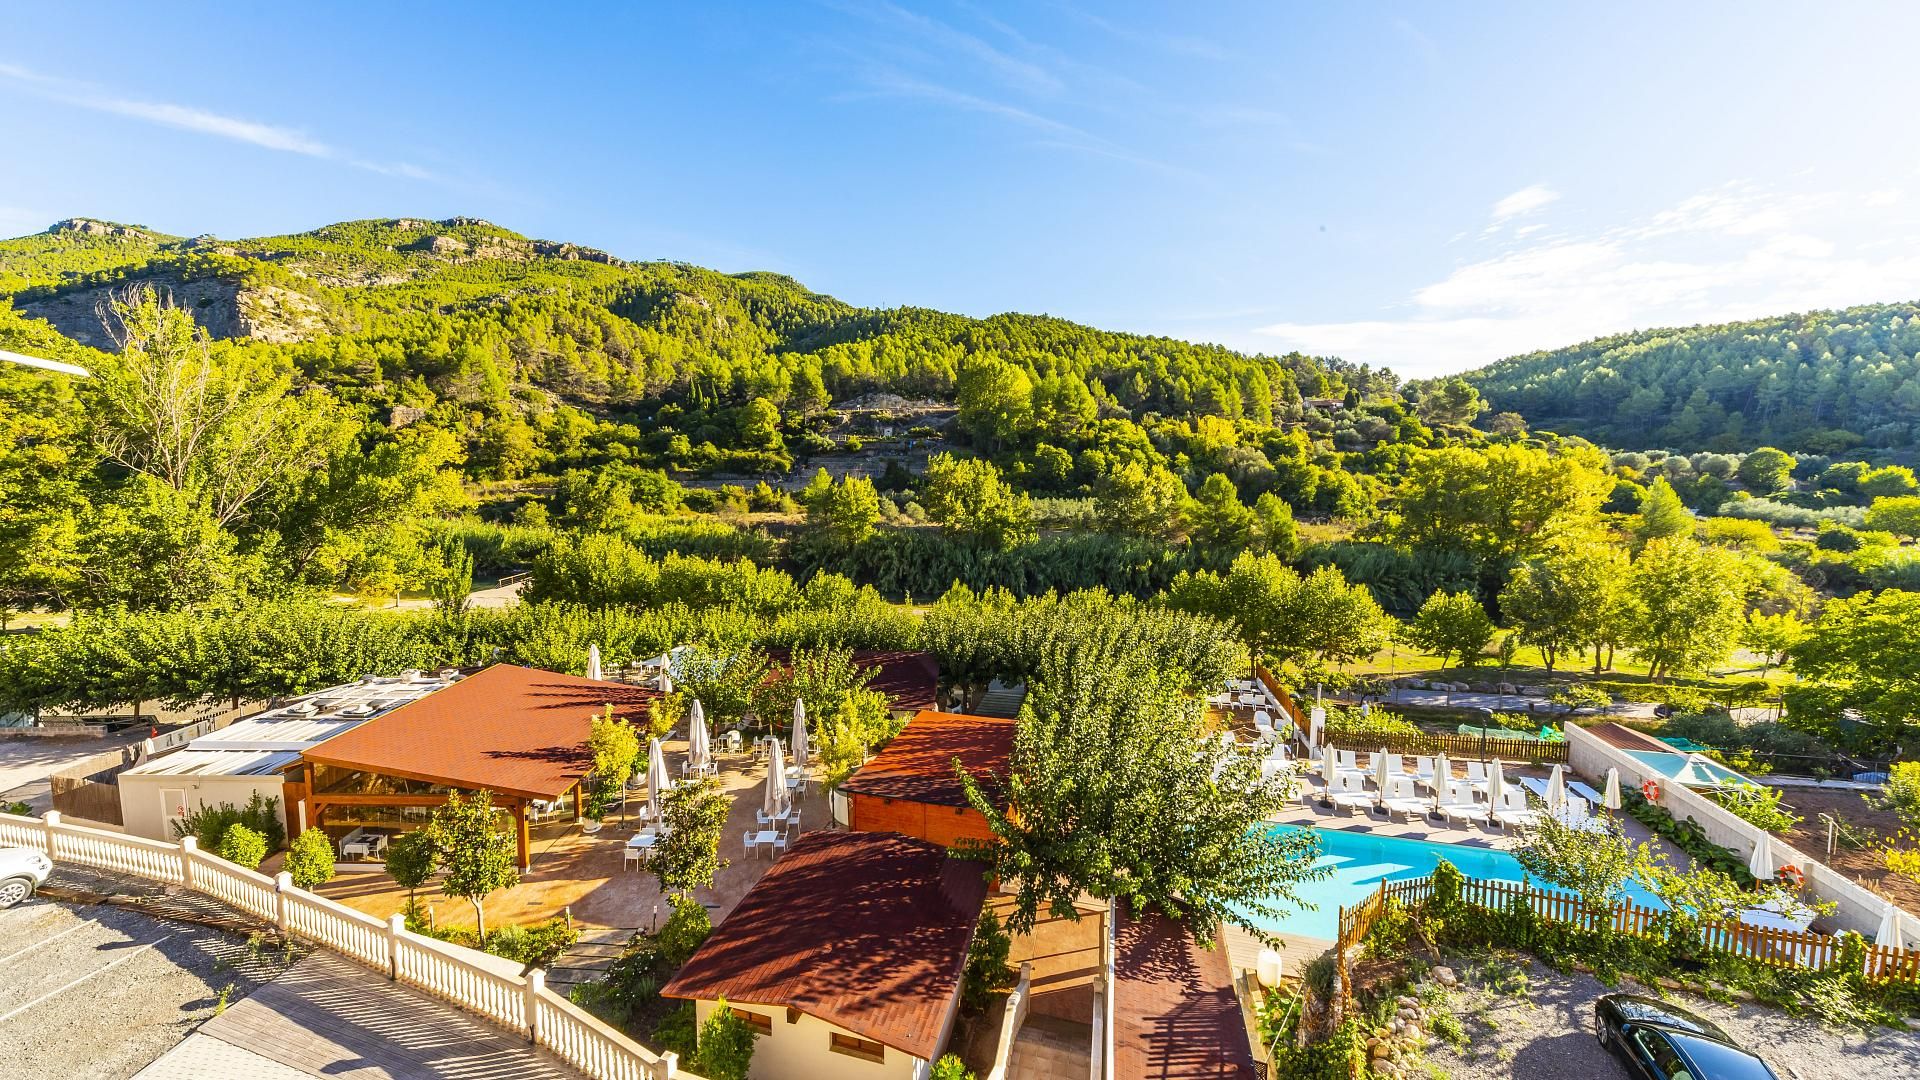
[96,227]
[223,308]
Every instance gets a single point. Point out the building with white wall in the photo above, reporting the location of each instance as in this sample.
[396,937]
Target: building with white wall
[846,958]
[253,755]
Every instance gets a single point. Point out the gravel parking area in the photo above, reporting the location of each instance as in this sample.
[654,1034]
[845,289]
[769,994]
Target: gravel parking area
[1525,1020]
[91,990]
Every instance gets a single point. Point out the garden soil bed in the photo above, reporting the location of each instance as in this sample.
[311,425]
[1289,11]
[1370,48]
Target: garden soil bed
[1864,865]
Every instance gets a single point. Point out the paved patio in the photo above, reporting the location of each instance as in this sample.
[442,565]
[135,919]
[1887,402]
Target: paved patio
[585,875]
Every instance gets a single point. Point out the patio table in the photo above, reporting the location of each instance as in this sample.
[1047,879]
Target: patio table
[356,843]
[764,838]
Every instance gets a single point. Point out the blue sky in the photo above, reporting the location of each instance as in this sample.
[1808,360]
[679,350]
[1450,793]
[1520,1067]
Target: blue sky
[1429,187]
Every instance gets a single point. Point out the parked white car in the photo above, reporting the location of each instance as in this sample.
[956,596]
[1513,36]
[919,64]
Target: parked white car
[22,870]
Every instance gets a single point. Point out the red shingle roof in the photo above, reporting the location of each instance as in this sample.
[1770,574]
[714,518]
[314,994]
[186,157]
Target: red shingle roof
[918,763]
[910,680]
[509,729]
[1176,1015]
[866,931]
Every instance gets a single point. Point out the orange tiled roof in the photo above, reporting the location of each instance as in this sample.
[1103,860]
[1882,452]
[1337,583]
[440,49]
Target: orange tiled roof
[918,764]
[1175,1013]
[515,730]
[866,931]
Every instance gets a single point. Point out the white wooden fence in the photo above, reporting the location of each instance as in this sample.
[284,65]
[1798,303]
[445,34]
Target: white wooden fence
[476,981]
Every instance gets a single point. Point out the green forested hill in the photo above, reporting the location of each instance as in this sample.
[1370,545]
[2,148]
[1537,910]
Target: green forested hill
[1824,381]
[469,316]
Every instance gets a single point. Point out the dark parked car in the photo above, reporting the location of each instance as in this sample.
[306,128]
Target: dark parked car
[1660,1042]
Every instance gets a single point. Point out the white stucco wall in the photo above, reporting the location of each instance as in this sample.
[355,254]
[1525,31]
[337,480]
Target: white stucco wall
[143,811]
[1856,907]
[800,1051]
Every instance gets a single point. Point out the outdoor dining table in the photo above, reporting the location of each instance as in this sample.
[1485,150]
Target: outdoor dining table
[643,842]
[764,838]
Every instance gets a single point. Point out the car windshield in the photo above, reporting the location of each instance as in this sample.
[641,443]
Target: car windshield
[1714,1061]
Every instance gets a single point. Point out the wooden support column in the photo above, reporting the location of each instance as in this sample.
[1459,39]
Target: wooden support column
[579,798]
[520,834]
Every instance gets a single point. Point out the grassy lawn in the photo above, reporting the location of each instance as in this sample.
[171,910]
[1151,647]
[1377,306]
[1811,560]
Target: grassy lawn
[1528,667]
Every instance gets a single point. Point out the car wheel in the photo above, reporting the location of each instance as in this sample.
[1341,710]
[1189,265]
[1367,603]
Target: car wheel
[13,890]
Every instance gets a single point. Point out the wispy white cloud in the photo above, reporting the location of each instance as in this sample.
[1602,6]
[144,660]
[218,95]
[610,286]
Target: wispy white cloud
[1736,252]
[202,121]
[1525,201]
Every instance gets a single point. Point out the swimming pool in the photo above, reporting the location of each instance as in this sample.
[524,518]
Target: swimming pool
[1360,861]
[1690,769]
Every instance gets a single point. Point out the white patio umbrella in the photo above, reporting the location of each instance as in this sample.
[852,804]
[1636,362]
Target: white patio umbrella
[1442,777]
[593,662]
[1890,930]
[1496,782]
[656,777]
[1556,790]
[666,681]
[1328,765]
[699,745]
[1380,770]
[1761,862]
[800,748]
[775,802]
[1611,797]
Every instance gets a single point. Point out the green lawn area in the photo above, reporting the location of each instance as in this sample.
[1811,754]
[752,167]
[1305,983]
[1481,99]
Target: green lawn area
[1528,667]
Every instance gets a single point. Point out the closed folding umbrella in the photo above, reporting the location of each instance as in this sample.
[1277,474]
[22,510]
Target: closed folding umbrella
[1557,790]
[1442,776]
[699,747]
[1380,770]
[1328,765]
[656,776]
[593,662]
[775,802]
[800,749]
[1890,930]
[1761,862]
[1496,782]
[1611,797]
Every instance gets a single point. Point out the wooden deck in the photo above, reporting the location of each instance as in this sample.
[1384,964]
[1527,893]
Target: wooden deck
[330,1017]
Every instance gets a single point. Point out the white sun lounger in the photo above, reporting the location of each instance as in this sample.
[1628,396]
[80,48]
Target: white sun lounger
[1399,798]
[1349,791]
[1513,811]
[1459,804]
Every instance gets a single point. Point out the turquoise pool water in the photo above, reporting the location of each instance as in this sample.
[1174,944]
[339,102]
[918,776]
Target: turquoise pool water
[1360,861]
[1689,769]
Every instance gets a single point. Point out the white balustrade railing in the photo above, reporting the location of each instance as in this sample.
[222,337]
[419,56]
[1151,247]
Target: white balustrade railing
[479,982]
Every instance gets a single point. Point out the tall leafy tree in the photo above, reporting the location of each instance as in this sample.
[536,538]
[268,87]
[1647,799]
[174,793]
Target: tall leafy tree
[1451,625]
[1661,513]
[1507,501]
[1686,601]
[968,497]
[1117,790]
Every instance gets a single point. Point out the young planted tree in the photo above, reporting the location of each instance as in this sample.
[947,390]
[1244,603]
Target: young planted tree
[1451,625]
[1596,866]
[412,858]
[1661,513]
[309,859]
[688,856]
[726,1045]
[615,747]
[477,855]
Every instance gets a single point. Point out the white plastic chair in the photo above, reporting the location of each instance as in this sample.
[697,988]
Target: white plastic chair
[747,845]
[630,858]
[779,845]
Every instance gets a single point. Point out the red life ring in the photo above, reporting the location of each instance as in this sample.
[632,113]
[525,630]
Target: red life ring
[1791,875]
[1650,790]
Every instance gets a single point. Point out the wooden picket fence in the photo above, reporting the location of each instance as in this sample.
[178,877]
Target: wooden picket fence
[1454,744]
[1779,948]
[1280,695]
